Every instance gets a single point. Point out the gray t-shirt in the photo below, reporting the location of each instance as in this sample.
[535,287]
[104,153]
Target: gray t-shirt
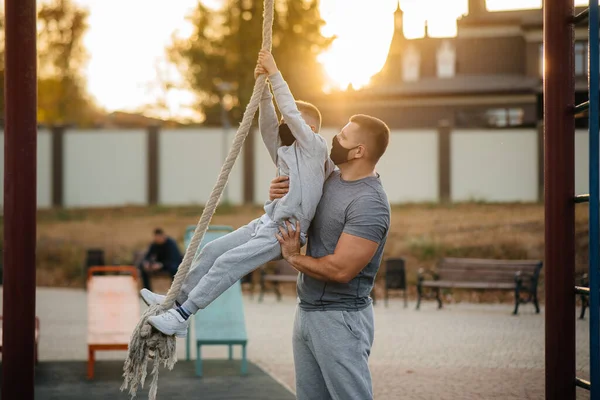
[359,208]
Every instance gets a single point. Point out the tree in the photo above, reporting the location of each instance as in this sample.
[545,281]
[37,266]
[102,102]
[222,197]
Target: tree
[62,96]
[224,46]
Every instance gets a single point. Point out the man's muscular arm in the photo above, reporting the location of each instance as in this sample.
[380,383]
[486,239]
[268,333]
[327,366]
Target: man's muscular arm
[350,256]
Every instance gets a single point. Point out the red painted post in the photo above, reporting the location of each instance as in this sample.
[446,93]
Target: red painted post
[20,143]
[559,141]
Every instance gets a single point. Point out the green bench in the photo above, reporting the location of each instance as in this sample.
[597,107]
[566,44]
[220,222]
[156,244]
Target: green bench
[222,322]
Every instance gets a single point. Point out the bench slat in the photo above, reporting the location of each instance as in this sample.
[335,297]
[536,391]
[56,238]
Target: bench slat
[469,285]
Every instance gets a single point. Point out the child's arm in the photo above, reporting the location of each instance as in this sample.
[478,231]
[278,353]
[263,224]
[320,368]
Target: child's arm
[268,124]
[287,104]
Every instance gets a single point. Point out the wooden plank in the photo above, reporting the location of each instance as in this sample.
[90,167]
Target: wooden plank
[469,285]
[113,309]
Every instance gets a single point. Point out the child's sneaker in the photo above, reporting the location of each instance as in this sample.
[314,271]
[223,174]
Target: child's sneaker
[170,323]
[151,298]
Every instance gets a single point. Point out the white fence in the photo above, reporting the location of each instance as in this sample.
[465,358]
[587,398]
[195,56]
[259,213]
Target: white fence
[110,168]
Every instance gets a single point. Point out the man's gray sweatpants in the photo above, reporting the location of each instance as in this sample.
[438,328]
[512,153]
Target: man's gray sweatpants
[227,259]
[331,354]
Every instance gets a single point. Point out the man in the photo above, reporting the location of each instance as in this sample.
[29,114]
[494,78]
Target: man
[334,328]
[163,255]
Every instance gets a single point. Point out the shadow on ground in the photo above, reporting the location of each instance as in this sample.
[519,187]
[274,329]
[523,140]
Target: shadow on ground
[67,381]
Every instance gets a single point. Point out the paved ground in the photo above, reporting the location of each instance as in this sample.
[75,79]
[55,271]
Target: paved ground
[65,380]
[464,351]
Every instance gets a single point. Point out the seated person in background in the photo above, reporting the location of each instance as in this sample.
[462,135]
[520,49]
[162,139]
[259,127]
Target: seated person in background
[163,255]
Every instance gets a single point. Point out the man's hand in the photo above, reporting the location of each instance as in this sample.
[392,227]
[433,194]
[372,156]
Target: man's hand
[289,239]
[280,186]
[258,71]
[265,58]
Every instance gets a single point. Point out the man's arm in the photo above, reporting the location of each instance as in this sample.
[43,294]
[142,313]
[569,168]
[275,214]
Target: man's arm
[151,251]
[367,224]
[351,255]
[268,124]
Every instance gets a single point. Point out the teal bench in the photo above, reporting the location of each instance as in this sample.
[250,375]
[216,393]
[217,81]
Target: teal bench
[222,322]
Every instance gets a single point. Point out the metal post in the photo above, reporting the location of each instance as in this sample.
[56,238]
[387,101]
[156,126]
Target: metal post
[559,126]
[594,218]
[20,141]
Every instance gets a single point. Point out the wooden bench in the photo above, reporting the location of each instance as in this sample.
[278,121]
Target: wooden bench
[283,272]
[37,338]
[113,309]
[520,276]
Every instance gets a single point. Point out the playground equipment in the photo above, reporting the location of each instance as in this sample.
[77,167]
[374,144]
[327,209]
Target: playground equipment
[560,200]
[113,308]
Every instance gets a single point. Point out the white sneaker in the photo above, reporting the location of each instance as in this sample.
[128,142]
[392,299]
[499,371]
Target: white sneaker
[151,298]
[170,323]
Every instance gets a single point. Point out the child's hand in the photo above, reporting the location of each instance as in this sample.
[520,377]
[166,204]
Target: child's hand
[265,58]
[259,70]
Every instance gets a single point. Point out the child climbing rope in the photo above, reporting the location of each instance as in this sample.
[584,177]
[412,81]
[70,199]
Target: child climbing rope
[299,152]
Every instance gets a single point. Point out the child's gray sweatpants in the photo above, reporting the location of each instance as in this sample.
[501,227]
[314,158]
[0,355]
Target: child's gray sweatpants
[331,354]
[229,258]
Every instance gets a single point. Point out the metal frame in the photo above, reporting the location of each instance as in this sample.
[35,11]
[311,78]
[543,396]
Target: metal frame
[559,170]
[560,369]
[594,219]
[20,200]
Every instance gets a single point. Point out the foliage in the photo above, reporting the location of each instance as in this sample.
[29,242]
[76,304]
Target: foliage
[224,45]
[62,96]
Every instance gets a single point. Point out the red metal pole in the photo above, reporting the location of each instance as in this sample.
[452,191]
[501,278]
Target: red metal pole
[559,137]
[20,141]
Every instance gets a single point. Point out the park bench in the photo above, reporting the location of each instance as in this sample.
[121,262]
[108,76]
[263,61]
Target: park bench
[37,337]
[222,322]
[520,276]
[113,309]
[283,272]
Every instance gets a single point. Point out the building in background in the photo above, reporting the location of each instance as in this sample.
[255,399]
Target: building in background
[489,75]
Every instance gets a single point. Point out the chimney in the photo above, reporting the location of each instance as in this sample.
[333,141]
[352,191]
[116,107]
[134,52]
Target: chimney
[477,7]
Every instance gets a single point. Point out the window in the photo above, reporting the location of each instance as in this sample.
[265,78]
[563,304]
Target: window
[581,58]
[503,117]
[446,60]
[411,64]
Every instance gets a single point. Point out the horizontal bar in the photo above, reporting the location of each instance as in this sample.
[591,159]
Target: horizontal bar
[583,384]
[582,198]
[581,109]
[582,16]
[582,290]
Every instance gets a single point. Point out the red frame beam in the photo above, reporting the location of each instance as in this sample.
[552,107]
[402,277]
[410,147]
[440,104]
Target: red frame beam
[20,201]
[559,167]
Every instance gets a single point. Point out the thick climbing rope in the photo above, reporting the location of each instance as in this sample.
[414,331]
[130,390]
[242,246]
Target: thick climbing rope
[147,344]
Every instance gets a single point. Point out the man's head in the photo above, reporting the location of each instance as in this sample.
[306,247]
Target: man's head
[364,140]
[159,236]
[311,115]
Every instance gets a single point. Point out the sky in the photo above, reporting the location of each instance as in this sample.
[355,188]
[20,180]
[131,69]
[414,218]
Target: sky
[127,38]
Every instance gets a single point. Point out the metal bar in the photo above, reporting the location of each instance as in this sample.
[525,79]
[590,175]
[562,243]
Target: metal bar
[594,216]
[582,198]
[583,384]
[20,153]
[559,125]
[581,17]
[582,290]
[581,110]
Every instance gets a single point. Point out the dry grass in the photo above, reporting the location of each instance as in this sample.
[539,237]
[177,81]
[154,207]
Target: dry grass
[420,233]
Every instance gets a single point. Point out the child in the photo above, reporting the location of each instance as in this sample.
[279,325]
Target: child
[299,152]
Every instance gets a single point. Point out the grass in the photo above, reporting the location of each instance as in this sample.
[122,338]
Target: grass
[420,233]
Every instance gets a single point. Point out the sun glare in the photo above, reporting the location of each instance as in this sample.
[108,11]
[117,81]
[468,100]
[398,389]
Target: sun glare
[125,50]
